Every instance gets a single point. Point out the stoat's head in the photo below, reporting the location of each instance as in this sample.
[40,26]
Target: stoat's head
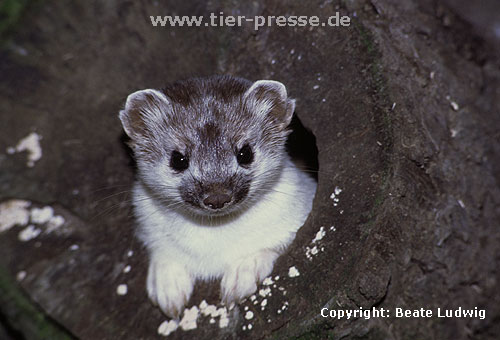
[209,145]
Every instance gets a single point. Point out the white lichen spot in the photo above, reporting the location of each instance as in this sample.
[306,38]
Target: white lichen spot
[130,253]
[54,223]
[332,228]
[432,74]
[334,195]
[263,303]
[315,87]
[393,106]
[246,308]
[250,326]
[461,203]
[323,100]
[167,327]
[14,212]
[253,297]
[319,235]
[276,278]
[29,233]
[453,104]
[224,320]
[308,253]
[220,311]
[20,275]
[213,312]
[127,269]
[292,51]
[122,289]
[203,305]
[74,247]
[293,272]
[249,315]
[453,133]
[268,281]
[31,144]
[188,321]
[207,309]
[265,292]
[273,61]
[244,327]
[41,215]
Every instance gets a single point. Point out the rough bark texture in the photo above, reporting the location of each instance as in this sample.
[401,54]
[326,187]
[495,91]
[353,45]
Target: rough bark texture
[405,108]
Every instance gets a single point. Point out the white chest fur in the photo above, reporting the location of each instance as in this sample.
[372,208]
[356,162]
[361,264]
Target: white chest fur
[242,250]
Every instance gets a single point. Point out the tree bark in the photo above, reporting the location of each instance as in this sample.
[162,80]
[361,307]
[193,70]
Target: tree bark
[403,104]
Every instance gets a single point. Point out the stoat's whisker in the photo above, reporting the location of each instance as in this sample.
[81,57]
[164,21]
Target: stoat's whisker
[113,195]
[167,208]
[122,202]
[109,187]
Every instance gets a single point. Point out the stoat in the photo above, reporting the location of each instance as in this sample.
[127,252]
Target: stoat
[216,194]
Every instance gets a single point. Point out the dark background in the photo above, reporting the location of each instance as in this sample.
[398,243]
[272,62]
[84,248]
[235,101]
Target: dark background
[416,225]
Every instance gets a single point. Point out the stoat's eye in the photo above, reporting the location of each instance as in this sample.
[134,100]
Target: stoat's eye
[244,156]
[178,161]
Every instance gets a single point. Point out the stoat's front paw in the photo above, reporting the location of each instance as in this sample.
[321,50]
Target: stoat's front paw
[169,286]
[240,279]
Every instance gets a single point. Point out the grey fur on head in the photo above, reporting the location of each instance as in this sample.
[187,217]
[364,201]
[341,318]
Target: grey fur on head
[208,121]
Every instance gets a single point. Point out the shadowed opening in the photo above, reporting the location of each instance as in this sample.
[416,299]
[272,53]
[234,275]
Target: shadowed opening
[301,146]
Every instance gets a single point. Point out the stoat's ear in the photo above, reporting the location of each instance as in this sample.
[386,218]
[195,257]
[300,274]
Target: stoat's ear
[269,97]
[143,109]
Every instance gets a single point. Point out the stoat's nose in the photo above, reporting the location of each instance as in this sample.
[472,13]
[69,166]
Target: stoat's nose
[217,200]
